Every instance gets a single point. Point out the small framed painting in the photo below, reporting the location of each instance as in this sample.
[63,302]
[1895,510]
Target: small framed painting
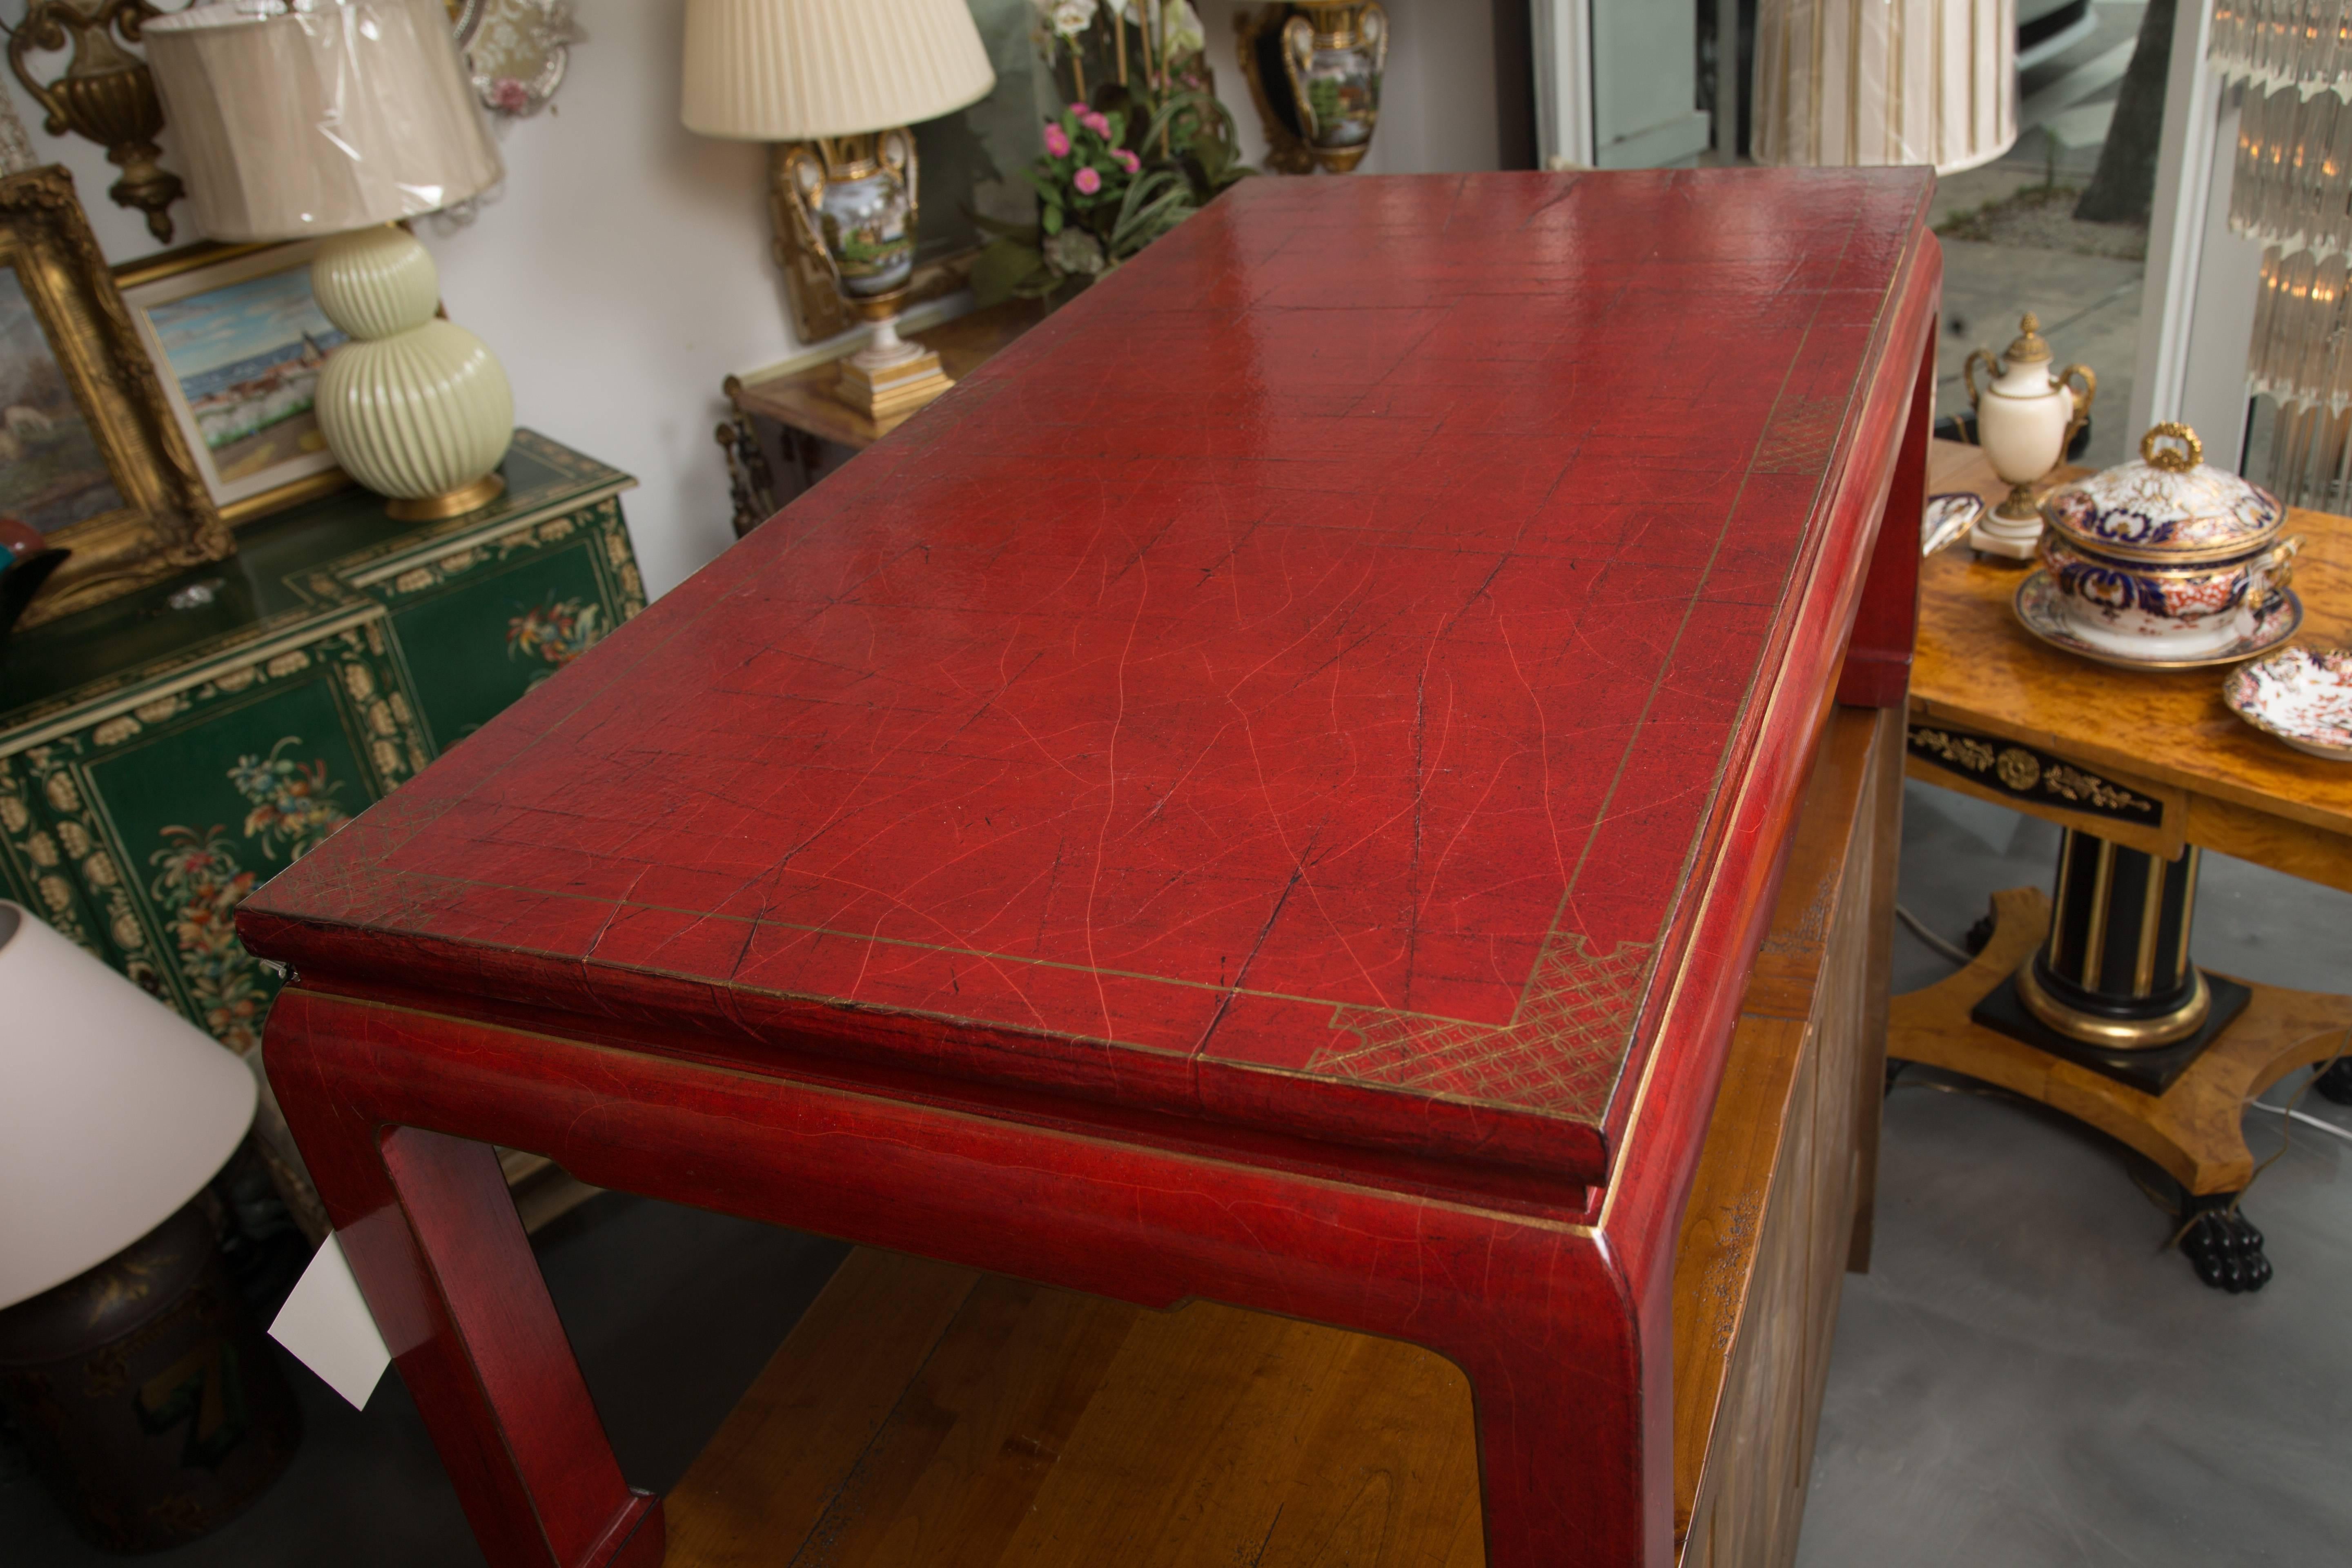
[91,457]
[238,340]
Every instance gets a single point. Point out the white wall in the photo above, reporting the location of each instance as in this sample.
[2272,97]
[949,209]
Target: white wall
[622,273]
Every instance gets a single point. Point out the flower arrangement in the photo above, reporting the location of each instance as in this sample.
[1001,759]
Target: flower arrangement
[1124,162]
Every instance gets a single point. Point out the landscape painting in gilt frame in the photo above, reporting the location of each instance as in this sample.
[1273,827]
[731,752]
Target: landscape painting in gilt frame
[237,340]
[89,455]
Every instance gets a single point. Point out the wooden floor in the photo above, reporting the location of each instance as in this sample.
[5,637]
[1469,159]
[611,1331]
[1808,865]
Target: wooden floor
[926,1416]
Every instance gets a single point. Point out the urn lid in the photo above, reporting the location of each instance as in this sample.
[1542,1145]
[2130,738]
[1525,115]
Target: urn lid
[2029,344]
[2166,506]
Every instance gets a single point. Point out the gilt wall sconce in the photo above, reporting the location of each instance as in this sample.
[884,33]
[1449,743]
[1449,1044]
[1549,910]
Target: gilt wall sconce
[1314,70]
[106,93]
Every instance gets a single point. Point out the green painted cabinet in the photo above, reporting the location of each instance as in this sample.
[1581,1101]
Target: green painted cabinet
[163,754]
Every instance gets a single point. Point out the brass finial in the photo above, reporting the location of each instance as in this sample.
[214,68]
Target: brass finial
[2171,445]
[2030,345]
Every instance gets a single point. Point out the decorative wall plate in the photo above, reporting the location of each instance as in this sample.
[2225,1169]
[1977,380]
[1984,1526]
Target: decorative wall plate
[518,52]
[2040,610]
[2302,696]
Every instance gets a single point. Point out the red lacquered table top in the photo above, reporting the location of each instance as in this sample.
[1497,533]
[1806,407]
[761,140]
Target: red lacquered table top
[1292,685]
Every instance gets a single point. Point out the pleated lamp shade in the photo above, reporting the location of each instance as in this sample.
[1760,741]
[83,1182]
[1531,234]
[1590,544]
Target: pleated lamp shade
[354,113]
[1874,82]
[117,1110]
[793,70]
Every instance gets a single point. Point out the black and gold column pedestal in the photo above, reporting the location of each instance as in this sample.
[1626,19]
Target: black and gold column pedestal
[2191,1125]
[2112,987]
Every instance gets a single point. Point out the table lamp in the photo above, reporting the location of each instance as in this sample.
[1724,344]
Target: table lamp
[840,80]
[117,1114]
[1897,81]
[339,119]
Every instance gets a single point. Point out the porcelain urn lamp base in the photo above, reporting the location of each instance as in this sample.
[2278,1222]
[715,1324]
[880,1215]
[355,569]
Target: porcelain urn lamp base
[891,377]
[2011,530]
[413,406]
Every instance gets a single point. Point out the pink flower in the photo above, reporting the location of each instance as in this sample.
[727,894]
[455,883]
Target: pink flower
[1127,160]
[1080,110]
[1088,182]
[1097,124]
[1057,141]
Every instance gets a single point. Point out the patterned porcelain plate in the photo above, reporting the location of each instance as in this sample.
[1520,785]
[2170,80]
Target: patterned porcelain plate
[2037,607]
[2302,697]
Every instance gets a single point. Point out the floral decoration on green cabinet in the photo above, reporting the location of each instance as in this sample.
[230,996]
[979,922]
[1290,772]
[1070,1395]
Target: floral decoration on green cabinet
[557,631]
[200,883]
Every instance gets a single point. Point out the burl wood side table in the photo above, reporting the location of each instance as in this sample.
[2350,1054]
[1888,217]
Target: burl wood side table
[1270,791]
[2154,764]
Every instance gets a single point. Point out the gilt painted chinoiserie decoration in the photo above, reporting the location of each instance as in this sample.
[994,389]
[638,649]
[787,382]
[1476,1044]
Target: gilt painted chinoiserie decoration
[164,754]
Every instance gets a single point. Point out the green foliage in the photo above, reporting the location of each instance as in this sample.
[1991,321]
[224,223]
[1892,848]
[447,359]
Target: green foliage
[1118,172]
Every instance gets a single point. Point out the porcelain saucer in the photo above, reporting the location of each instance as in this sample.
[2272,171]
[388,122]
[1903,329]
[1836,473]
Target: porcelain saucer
[2037,605]
[2302,696]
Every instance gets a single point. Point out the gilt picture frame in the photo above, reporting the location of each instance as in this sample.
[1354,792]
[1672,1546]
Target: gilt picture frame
[237,340]
[94,460]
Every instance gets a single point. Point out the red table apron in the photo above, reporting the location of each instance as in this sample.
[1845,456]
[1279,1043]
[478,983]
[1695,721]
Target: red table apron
[1267,791]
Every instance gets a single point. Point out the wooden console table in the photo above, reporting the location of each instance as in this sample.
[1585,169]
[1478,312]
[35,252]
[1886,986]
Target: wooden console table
[2153,761]
[1309,855]
[796,416]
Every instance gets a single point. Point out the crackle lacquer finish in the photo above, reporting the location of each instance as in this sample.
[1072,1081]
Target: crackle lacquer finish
[1270,789]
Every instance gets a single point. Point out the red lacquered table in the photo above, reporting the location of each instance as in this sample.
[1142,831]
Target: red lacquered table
[1268,792]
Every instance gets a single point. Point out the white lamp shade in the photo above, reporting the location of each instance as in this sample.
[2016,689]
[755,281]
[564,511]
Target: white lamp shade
[116,1111]
[353,113]
[1876,82]
[792,70]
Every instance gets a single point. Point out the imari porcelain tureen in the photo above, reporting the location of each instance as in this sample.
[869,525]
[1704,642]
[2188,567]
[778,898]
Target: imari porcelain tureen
[2164,561]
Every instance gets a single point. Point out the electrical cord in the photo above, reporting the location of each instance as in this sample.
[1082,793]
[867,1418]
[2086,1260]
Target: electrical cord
[1918,928]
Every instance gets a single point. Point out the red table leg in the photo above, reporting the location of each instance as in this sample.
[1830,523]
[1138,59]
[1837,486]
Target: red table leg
[441,1256]
[1529,1302]
[1878,672]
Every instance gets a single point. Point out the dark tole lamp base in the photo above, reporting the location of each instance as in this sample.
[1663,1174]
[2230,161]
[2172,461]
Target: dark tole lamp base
[153,1407]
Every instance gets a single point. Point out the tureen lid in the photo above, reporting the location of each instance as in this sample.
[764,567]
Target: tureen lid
[2165,506]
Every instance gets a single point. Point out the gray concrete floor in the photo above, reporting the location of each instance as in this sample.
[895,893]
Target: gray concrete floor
[2024,1378]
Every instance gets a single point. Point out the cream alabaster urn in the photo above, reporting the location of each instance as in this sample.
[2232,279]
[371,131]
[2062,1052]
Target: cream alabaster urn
[2025,418]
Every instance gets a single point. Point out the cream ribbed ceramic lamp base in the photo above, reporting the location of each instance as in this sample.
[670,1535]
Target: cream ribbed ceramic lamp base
[413,407]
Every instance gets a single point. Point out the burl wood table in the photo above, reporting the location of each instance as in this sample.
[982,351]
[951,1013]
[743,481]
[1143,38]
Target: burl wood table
[1268,792]
[2154,764]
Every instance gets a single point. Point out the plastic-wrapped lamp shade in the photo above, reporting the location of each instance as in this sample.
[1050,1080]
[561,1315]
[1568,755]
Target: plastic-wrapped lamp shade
[113,1109]
[351,113]
[792,70]
[1874,82]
